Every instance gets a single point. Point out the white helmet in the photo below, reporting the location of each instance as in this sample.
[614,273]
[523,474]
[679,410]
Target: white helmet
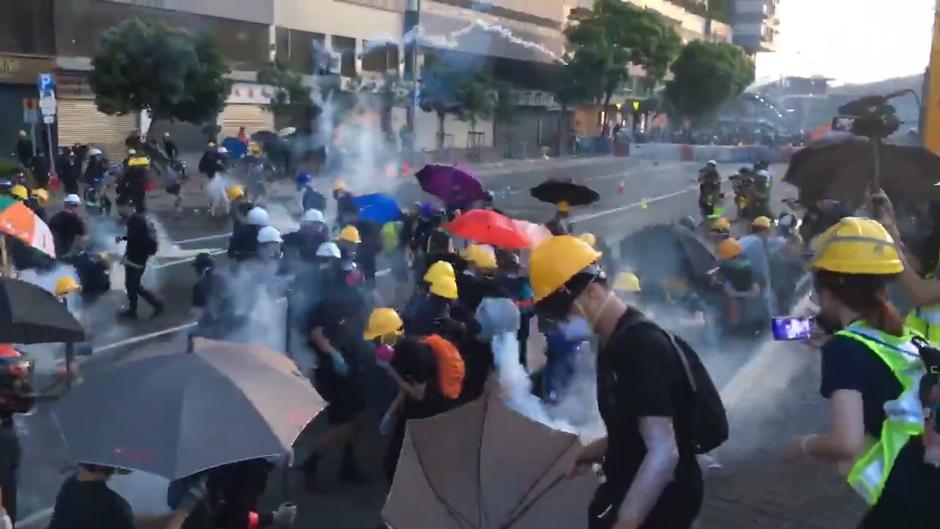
[222,150]
[328,249]
[94,152]
[712,162]
[72,200]
[257,216]
[311,216]
[763,173]
[269,234]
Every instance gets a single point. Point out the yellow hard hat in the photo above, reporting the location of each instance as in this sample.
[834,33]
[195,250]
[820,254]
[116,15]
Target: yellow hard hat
[857,246]
[627,282]
[729,249]
[66,285]
[761,222]
[41,194]
[445,287]
[234,192]
[382,321]
[481,256]
[339,185]
[588,238]
[350,234]
[721,224]
[563,207]
[254,148]
[438,270]
[19,192]
[139,161]
[555,261]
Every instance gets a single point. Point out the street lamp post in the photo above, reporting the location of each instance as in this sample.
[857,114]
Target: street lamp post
[412,67]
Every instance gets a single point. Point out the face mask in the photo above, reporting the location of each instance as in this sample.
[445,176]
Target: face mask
[578,328]
[385,353]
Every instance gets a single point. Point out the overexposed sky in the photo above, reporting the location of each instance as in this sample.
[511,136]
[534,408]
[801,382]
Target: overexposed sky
[851,41]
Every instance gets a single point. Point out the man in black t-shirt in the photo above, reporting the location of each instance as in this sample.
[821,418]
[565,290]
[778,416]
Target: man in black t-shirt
[86,501]
[645,400]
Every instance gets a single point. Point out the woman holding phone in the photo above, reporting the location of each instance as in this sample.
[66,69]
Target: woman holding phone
[873,375]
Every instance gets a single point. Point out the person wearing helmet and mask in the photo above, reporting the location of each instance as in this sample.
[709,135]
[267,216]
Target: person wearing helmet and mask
[37,203]
[348,241]
[757,249]
[19,192]
[269,243]
[301,246]
[142,244]
[719,231]
[244,242]
[429,309]
[310,197]
[877,375]
[627,287]
[336,323]
[652,477]
[66,226]
[211,162]
[346,209]
[238,205]
[709,197]
[132,186]
[744,306]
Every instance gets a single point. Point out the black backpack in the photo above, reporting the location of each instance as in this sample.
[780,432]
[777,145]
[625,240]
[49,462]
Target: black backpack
[709,419]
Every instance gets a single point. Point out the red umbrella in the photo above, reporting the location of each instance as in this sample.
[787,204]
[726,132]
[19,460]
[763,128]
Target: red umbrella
[484,226]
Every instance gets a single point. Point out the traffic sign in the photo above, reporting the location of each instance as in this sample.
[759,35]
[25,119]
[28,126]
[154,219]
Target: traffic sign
[48,105]
[46,84]
[48,120]
[31,116]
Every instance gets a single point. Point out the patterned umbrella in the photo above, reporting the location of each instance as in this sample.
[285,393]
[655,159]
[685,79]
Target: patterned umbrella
[17,220]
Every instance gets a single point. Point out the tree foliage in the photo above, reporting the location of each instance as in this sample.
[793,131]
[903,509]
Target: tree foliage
[141,65]
[706,75]
[614,34]
[288,86]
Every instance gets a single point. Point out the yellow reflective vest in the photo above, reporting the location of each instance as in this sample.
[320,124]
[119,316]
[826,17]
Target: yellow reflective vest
[904,415]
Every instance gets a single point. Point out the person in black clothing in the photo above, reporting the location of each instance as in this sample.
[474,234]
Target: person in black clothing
[97,168]
[37,203]
[66,225]
[24,149]
[300,247]
[211,162]
[86,501]
[141,245]
[336,325]
[132,186]
[169,146]
[69,170]
[415,372]
[244,242]
[652,477]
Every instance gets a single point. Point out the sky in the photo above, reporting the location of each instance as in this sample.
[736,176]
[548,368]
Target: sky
[851,41]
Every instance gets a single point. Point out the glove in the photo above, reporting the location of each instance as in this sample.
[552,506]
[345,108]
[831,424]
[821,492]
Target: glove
[285,514]
[388,422]
[195,494]
[339,363]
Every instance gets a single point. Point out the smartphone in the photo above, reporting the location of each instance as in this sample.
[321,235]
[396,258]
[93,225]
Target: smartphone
[790,329]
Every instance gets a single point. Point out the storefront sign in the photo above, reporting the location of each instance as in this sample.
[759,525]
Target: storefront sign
[23,70]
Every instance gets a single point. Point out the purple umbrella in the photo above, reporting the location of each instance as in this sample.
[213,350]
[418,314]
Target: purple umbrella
[455,186]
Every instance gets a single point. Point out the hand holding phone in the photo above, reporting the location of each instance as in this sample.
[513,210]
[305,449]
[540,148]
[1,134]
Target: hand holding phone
[792,329]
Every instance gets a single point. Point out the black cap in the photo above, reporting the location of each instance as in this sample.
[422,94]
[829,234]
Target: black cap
[203,261]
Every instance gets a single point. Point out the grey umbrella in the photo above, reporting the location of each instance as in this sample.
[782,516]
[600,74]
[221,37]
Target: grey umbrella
[178,414]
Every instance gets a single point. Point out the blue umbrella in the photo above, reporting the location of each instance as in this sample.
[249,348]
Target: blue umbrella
[236,147]
[377,207]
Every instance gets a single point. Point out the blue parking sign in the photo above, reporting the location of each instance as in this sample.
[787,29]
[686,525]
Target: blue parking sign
[46,84]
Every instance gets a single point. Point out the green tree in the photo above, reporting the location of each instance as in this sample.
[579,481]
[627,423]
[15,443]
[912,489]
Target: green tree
[706,75]
[570,82]
[440,84]
[614,34]
[141,65]
[288,86]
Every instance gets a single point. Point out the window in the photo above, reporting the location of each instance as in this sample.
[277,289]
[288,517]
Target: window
[27,26]
[379,57]
[346,47]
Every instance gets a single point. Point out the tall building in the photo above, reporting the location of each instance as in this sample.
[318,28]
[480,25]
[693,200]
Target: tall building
[755,24]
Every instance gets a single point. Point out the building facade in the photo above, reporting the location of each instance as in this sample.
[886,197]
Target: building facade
[755,24]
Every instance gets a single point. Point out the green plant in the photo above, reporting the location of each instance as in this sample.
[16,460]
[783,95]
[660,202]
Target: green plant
[706,75]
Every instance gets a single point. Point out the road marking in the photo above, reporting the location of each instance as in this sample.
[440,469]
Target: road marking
[200,239]
[185,260]
[589,216]
[144,337]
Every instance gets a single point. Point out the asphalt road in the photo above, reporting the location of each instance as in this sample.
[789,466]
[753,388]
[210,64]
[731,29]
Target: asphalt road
[635,193]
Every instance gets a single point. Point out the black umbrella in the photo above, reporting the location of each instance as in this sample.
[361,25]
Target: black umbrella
[556,191]
[29,314]
[177,414]
[663,252]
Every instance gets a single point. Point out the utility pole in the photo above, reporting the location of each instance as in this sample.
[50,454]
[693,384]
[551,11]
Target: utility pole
[412,67]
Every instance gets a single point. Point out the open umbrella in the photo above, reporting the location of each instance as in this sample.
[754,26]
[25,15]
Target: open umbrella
[842,171]
[455,186]
[236,148]
[177,414]
[485,466]
[485,226]
[29,314]
[558,190]
[662,252]
[17,220]
[377,207]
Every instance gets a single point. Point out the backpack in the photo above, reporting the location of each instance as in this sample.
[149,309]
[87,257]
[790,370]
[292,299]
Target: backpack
[450,365]
[390,235]
[709,425]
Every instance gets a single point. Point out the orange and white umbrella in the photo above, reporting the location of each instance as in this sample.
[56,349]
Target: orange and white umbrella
[17,220]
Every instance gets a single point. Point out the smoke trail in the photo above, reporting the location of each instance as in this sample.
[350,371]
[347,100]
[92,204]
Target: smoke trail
[515,385]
